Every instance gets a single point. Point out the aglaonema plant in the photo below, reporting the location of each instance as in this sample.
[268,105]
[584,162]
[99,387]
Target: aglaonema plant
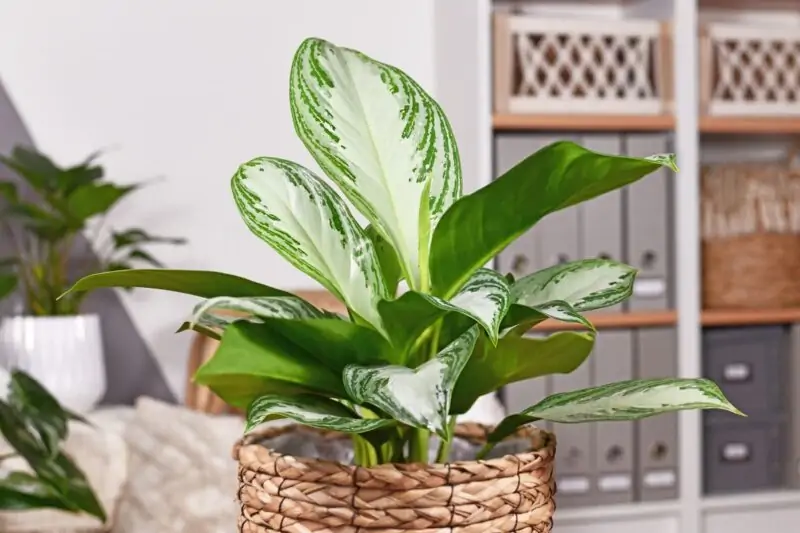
[401,366]
[35,426]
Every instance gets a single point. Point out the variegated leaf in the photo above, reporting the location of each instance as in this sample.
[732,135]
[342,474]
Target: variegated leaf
[380,137]
[485,297]
[418,397]
[311,410]
[624,400]
[585,285]
[484,300]
[304,220]
[521,318]
[212,316]
[668,160]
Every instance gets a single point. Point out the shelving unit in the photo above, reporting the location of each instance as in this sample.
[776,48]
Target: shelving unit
[465,63]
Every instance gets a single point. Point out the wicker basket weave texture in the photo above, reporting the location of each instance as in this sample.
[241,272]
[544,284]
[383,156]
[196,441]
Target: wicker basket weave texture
[281,493]
[751,236]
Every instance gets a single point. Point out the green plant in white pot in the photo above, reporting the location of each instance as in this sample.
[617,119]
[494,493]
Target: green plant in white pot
[43,214]
[398,370]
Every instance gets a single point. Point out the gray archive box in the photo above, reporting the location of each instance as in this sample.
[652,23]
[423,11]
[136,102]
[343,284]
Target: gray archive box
[614,441]
[523,394]
[525,255]
[601,218]
[648,227]
[657,437]
[750,366]
[742,457]
[574,467]
[793,396]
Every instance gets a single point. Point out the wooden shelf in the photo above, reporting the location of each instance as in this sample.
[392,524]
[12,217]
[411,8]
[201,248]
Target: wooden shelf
[640,319]
[520,122]
[747,317]
[750,317]
[754,125]
[606,320]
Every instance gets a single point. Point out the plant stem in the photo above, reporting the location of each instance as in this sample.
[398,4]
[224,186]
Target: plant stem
[418,446]
[483,451]
[365,453]
[444,446]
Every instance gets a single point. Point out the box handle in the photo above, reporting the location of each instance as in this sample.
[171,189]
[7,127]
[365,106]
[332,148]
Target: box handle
[737,372]
[736,452]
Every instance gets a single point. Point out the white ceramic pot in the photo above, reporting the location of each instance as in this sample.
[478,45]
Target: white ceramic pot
[63,353]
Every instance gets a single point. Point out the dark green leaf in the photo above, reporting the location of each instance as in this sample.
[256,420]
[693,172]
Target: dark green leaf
[518,359]
[117,265]
[195,282]
[8,284]
[35,168]
[141,255]
[8,191]
[44,224]
[418,397]
[70,481]
[252,360]
[92,199]
[322,335]
[314,411]
[139,236]
[558,176]
[80,175]
[387,258]
[335,342]
[39,409]
[20,491]
[18,435]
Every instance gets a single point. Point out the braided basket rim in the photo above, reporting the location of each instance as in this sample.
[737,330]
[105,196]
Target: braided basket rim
[542,448]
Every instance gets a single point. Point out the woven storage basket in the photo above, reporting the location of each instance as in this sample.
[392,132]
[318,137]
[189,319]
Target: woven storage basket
[282,493]
[751,236]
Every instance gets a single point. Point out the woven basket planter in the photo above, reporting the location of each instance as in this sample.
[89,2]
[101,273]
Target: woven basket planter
[751,236]
[283,493]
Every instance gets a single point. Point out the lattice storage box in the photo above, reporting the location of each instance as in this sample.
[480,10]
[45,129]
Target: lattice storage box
[547,65]
[750,70]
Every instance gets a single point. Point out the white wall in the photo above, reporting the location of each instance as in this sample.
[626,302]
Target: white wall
[186,90]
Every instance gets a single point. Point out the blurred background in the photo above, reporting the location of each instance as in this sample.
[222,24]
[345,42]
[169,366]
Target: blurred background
[175,95]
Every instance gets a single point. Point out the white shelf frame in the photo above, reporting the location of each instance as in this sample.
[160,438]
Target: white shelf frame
[468,24]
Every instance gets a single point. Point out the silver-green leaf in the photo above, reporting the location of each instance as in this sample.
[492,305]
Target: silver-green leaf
[624,400]
[380,137]
[213,315]
[305,221]
[485,298]
[417,397]
[585,285]
[311,410]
